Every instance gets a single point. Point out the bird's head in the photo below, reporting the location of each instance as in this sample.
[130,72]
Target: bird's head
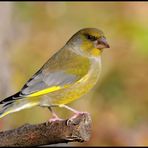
[89,41]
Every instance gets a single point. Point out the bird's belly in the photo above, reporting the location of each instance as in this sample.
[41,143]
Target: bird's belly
[72,93]
[76,90]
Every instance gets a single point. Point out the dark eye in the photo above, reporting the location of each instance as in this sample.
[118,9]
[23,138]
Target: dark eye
[90,37]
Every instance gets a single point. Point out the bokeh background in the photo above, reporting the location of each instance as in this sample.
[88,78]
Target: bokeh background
[30,32]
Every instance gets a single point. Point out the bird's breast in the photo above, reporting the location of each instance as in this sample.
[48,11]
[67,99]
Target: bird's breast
[81,87]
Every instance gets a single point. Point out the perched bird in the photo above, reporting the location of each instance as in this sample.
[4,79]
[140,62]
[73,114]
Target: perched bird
[66,76]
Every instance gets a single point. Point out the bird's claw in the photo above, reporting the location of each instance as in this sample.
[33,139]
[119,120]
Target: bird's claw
[73,120]
[54,119]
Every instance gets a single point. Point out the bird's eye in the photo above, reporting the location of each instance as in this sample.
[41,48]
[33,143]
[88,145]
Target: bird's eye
[90,37]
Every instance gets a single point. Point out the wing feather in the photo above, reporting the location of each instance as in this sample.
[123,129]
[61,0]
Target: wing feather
[57,73]
[56,79]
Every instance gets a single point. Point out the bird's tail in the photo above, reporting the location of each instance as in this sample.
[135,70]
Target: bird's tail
[7,105]
[14,103]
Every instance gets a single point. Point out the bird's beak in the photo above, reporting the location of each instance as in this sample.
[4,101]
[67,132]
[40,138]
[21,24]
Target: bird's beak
[101,43]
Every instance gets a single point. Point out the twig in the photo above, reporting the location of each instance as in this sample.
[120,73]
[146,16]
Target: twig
[76,130]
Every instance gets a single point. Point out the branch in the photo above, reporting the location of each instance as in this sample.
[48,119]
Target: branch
[76,130]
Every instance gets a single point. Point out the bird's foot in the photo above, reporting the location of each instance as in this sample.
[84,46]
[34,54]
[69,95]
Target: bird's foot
[55,119]
[76,114]
[72,119]
[54,116]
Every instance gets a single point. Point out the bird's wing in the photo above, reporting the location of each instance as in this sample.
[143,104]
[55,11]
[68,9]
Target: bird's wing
[57,73]
[41,83]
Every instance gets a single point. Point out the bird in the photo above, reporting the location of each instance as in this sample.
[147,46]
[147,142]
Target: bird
[68,74]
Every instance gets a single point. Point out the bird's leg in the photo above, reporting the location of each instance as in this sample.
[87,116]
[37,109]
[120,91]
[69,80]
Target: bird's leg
[69,108]
[77,113]
[45,102]
[54,116]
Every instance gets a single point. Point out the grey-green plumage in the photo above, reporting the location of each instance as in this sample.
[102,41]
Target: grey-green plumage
[66,76]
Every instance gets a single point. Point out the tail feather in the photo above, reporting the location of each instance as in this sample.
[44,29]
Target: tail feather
[11,98]
[5,109]
[6,104]
[15,103]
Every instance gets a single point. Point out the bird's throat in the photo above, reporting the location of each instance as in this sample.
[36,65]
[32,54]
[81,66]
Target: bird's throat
[95,52]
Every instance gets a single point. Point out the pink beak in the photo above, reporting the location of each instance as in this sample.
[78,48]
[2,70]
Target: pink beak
[101,43]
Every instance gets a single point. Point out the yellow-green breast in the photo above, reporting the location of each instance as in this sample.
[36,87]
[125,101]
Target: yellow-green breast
[81,87]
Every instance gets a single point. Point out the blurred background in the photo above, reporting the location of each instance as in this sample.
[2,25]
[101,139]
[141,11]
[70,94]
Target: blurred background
[30,32]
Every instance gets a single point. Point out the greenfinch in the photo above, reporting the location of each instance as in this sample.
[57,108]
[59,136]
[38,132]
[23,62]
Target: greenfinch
[69,74]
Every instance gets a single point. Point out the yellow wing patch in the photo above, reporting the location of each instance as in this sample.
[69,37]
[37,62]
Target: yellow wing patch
[45,91]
